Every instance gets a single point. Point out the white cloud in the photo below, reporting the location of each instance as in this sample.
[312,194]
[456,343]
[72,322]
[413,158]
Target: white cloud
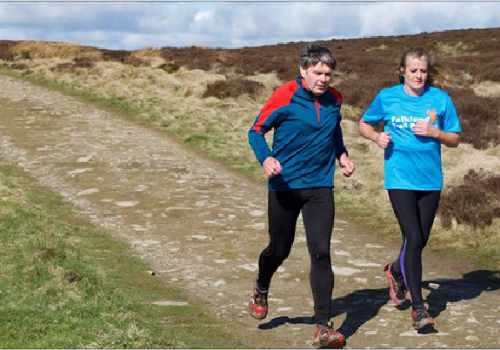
[203,16]
[136,25]
[203,21]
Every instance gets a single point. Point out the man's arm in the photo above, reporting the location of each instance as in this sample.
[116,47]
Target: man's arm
[338,139]
[264,122]
[346,165]
[259,145]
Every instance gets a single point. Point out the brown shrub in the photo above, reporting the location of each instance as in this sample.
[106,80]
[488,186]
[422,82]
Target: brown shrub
[5,53]
[72,66]
[135,61]
[233,87]
[475,202]
[169,67]
[115,55]
[83,63]
[19,66]
[62,67]
[490,70]
[124,57]
[479,117]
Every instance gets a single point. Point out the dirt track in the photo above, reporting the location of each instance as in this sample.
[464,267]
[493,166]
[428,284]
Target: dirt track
[201,227]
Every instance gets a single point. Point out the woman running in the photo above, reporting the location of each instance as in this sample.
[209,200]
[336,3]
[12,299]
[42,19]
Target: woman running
[417,118]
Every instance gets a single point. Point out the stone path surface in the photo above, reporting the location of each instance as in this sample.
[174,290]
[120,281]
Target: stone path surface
[201,227]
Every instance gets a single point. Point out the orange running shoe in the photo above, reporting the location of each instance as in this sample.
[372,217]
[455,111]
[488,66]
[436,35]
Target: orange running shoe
[327,337]
[257,306]
[421,318]
[397,289]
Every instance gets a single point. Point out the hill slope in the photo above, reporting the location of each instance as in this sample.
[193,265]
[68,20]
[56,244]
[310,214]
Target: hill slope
[209,97]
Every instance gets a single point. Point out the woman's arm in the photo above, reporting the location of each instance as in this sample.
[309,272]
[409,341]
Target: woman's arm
[423,128]
[368,131]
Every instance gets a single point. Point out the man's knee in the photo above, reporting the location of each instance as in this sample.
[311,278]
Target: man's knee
[277,253]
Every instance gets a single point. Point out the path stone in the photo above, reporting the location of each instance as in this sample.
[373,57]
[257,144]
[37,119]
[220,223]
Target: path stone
[170,303]
[126,204]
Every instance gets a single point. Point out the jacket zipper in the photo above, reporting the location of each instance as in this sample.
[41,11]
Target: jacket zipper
[317,105]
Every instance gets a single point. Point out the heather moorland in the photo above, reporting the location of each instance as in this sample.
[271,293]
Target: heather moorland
[208,97]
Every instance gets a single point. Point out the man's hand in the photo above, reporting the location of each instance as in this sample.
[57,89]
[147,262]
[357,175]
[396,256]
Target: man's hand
[346,165]
[271,167]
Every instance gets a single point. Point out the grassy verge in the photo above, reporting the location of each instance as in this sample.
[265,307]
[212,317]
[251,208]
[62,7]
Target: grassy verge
[109,102]
[66,284]
[209,140]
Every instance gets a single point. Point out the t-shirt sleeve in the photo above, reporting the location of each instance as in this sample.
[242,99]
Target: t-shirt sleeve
[451,122]
[375,112]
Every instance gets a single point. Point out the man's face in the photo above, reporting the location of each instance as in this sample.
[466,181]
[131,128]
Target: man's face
[415,73]
[317,78]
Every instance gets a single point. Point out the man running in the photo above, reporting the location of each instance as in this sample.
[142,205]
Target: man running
[305,116]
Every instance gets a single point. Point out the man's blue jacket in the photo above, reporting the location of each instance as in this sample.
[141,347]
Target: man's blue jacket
[307,136]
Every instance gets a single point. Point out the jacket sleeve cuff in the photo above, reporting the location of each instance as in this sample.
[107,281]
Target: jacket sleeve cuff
[342,151]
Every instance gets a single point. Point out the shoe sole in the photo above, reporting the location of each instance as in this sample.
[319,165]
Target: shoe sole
[338,345]
[257,317]
[423,323]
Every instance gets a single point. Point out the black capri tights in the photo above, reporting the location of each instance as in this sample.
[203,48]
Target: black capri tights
[415,211]
[318,215]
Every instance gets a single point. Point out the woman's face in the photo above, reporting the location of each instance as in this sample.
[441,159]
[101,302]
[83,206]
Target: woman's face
[415,74]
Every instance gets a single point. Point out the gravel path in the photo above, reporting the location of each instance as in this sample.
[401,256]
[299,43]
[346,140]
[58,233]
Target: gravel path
[201,227]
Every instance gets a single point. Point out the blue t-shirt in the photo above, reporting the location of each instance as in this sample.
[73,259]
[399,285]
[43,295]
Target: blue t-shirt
[412,162]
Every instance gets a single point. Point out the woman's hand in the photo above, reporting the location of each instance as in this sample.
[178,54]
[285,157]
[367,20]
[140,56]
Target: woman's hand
[368,131]
[424,128]
[383,139]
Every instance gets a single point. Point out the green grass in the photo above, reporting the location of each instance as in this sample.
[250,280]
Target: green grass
[66,284]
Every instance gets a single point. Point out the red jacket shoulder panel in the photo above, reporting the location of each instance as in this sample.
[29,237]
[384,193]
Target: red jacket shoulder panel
[280,97]
[337,94]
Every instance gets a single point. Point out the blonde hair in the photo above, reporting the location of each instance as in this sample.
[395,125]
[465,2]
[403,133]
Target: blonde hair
[417,52]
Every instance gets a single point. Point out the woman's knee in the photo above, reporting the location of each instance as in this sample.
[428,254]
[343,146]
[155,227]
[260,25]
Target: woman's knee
[415,244]
[321,257]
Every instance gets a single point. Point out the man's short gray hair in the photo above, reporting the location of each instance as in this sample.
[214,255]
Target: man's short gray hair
[313,54]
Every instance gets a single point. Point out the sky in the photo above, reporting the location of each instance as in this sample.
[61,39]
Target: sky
[131,25]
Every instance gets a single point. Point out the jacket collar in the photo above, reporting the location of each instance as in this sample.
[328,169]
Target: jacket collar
[306,92]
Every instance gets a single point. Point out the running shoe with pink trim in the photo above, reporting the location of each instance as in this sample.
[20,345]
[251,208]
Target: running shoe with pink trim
[257,306]
[397,289]
[327,337]
[421,318]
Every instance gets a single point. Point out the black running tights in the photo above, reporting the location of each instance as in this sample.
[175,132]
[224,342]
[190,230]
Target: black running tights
[318,213]
[415,211]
